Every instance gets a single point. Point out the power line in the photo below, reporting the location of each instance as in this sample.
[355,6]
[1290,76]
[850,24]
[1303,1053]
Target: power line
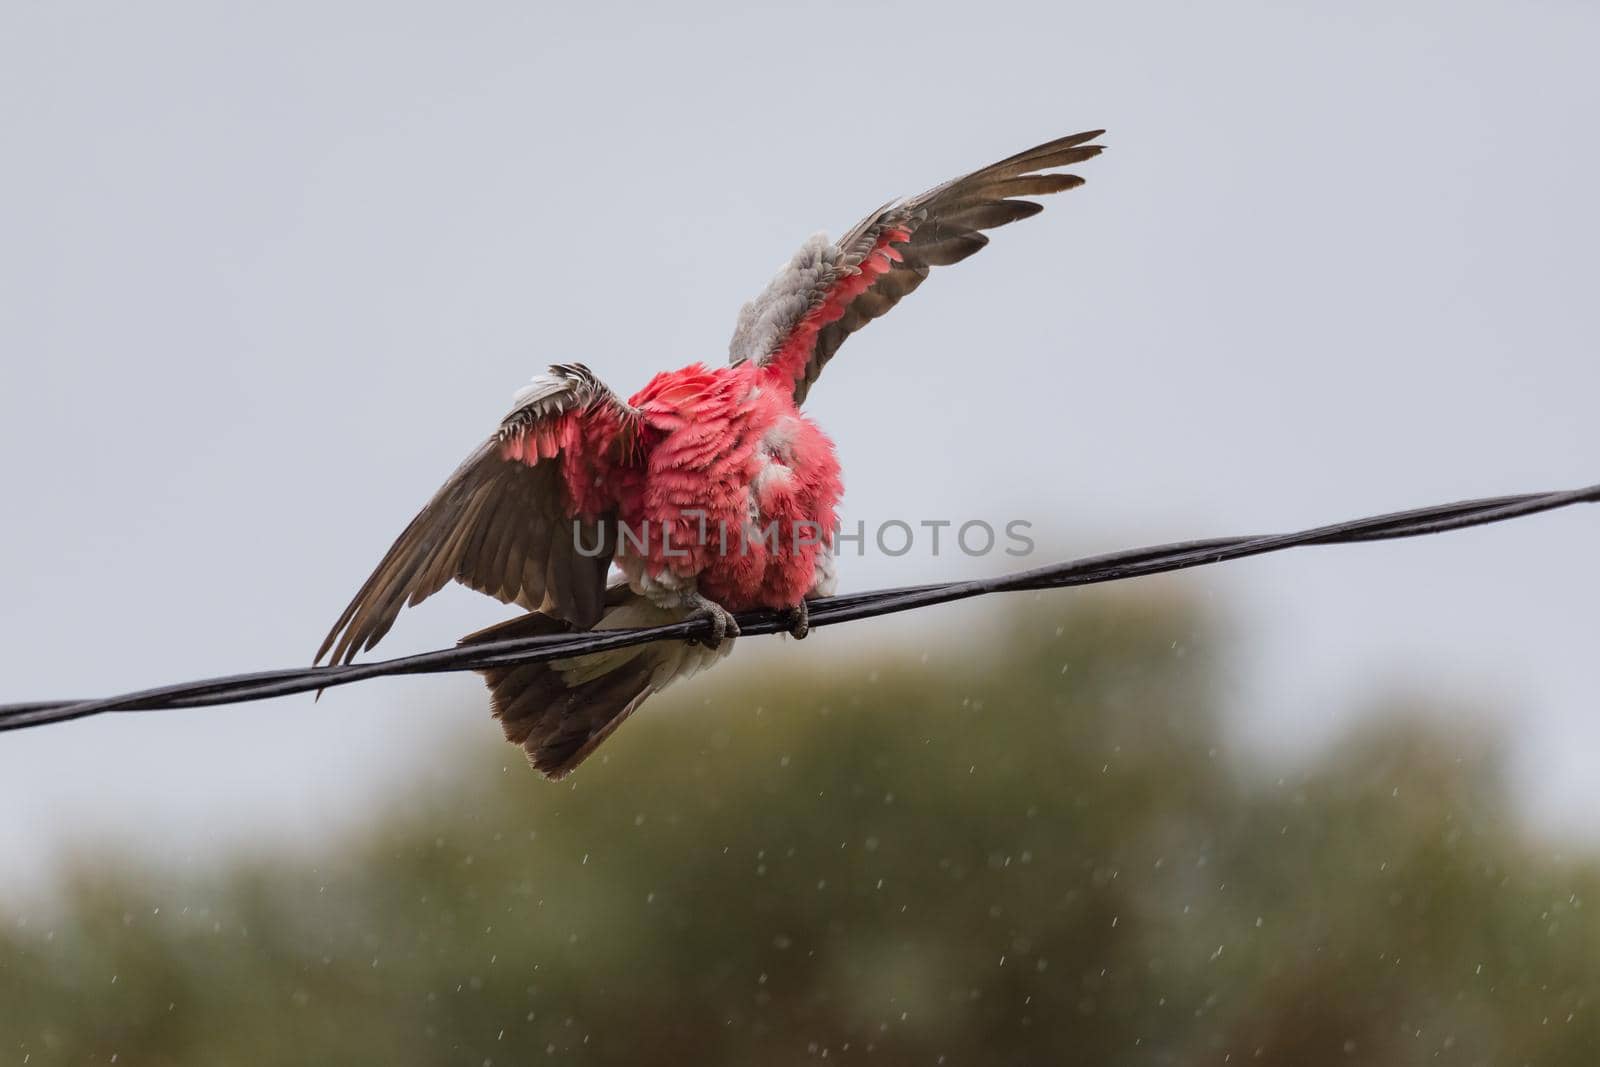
[1113,567]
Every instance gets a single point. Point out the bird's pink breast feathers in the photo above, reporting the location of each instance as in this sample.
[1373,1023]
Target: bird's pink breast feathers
[718,455]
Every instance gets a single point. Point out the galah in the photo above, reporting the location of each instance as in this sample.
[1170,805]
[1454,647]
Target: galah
[707,490]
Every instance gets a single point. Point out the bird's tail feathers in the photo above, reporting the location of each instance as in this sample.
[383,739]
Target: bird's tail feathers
[560,710]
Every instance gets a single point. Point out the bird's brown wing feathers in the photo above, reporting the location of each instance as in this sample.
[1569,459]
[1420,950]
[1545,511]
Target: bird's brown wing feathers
[832,289]
[502,523]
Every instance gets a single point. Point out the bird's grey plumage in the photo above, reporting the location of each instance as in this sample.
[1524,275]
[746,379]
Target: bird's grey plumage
[945,224]
[498,526]
[765,321]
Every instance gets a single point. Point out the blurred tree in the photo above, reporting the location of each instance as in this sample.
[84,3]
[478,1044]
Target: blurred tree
[1027,853]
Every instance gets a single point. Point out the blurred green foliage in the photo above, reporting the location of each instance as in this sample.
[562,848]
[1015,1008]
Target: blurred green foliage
[1028,853]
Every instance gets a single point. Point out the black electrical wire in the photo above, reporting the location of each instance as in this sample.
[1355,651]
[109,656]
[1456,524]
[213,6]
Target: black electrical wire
[1113,567]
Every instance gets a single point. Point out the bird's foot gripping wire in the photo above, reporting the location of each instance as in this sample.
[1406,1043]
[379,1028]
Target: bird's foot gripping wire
[798,619]
[723,624]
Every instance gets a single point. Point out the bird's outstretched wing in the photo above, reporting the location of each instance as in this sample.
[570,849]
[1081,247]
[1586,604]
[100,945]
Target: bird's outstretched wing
[832,289]
[507,522]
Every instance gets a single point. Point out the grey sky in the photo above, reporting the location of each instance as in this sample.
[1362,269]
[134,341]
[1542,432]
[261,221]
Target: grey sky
[267,274]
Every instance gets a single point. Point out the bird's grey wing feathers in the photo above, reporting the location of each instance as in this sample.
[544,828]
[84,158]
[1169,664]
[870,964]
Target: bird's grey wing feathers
[821,297]
[502,523]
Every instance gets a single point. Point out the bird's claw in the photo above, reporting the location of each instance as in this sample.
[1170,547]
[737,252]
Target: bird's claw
[723,624]
[798,619]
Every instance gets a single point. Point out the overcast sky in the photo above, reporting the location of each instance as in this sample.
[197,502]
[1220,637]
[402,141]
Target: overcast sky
[268,273]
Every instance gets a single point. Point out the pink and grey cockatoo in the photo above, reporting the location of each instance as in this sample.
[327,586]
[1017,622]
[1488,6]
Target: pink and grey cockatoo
[668,485]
